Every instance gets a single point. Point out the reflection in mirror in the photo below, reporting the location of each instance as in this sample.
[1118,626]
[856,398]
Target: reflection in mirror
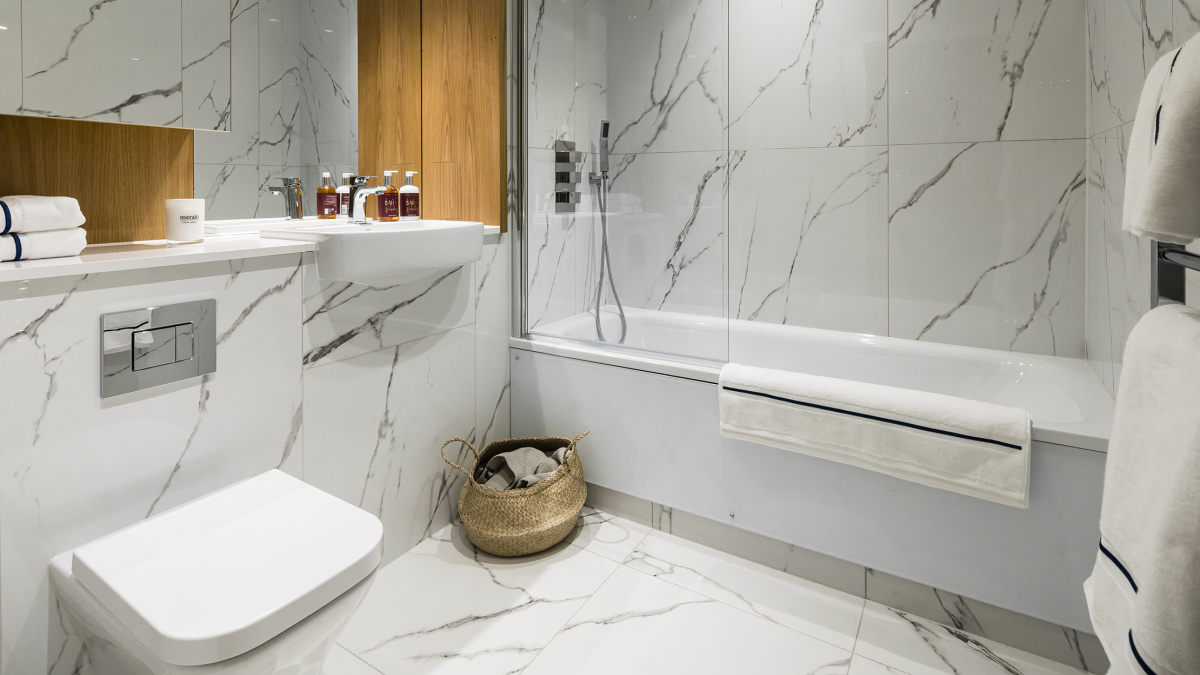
[150,62]
[295,112]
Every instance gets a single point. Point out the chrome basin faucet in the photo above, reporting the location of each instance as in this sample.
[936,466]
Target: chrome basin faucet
[359,191]
[293,197]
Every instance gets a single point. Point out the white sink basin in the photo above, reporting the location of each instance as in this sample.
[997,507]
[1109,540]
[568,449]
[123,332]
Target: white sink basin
[382,254]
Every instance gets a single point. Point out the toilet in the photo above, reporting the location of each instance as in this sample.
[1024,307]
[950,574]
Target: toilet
[258,577]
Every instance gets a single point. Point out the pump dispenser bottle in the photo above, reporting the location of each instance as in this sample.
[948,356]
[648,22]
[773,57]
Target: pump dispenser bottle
[410,198]
[328,202]
[343,192]
[389,200]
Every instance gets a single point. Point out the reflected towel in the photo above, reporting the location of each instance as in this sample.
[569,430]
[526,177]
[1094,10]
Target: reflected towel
[520,468]
[1144,592]
[1162,200]
[970,447]
[30,213]
[53,244]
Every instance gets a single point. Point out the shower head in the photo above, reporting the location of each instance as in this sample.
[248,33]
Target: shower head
[602,147]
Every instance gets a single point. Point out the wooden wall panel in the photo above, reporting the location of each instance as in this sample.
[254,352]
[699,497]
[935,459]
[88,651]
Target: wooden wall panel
[121,174]
[389,88]
[463,109]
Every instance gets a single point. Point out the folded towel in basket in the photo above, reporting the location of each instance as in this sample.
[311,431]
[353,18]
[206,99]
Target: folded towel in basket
[520,468]
[52,244]
[31,213]
[970,447]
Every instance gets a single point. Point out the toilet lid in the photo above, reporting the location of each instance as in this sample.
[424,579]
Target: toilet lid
[219,576]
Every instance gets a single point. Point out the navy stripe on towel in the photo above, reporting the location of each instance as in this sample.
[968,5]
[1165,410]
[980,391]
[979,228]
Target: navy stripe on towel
[873,417]
[1157,123]
[1128,577]
[7,218]
[17,243]
[1174,60]
[1136,655]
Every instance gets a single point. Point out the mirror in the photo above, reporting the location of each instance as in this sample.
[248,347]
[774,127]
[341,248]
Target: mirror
[295,87]
[148,62]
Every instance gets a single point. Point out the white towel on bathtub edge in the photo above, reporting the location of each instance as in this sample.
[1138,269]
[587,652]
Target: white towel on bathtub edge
[969,447]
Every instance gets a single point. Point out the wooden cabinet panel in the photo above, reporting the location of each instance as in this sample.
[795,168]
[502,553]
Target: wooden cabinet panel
[463,109]
[121,174]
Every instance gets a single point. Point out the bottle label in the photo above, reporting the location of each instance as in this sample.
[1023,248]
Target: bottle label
[345,204]
[389,205]
[410,205]
[328,204]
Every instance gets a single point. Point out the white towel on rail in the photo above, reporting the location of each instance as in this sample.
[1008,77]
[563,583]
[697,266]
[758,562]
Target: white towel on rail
[31,213]
[1162,200]
[970,447]
[52,244]
[1144,593]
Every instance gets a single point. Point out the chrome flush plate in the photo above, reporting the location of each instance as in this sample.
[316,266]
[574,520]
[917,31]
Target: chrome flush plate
[145,348]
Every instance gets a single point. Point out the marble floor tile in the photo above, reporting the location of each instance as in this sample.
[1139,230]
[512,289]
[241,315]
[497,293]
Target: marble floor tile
[607,535]
[917,646]
[638,624]
[862,666]
[776,596]
[341,662]
[445,608]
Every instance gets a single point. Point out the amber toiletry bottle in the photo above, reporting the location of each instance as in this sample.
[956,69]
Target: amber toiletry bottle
[329,202]
[389,200]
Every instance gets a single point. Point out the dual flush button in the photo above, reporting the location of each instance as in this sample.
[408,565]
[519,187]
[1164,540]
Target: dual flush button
[150,347]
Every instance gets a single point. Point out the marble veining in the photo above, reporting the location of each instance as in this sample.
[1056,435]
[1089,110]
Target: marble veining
[780,161]
[670,606]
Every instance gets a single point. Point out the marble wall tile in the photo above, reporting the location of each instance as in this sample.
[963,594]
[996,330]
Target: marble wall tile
[809,238]
[108,50]
[552,239]
[552,79]
[1128,255]
[10,54]
[1096,76]
[228,190]
[493,325]
[207,63]
[807,73]
[373,426]
[240,144]
[987,251]
[343,319]
[73,467]
[1129,48]
[1099,332]
[667,233]
[667,75]
[1185,17]
[1000,70]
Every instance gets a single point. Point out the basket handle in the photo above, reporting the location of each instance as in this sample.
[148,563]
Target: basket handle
[571,445]
[464,442]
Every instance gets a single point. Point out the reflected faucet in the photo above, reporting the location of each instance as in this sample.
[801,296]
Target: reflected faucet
[359,191]
[293,197]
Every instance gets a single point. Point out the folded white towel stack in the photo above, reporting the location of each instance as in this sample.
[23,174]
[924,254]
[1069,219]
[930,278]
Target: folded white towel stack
[1162,197]
[1144,593]
[52,244]
[970,447]
[40,227]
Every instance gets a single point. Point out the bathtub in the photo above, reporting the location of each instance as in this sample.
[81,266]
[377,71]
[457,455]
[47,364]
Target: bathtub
[655,435]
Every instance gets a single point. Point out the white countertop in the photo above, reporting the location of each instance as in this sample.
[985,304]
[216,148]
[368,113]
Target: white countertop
[148,254]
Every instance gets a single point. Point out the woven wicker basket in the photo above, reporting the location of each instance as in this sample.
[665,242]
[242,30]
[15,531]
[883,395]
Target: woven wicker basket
[518,522]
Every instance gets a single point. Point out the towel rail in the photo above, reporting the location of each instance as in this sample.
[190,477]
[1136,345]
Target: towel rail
[1167,282]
